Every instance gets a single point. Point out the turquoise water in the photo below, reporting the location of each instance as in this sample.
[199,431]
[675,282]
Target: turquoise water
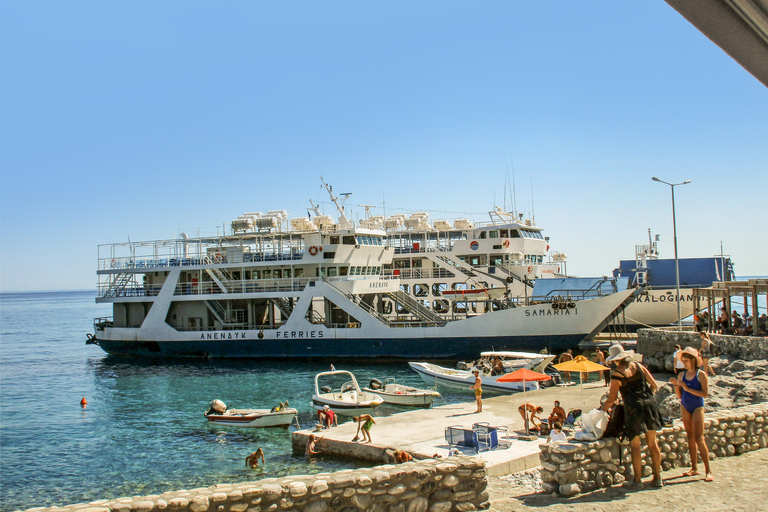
[143,430]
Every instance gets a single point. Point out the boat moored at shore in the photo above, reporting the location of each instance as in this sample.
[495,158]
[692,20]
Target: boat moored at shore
[279,288]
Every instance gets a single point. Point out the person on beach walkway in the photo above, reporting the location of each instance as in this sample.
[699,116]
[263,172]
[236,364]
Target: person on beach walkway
[606,373]
[566,356]
[641,413]
[364,424]
[477,386]
[692,387]
[310,451]
[253,459]
[530,413]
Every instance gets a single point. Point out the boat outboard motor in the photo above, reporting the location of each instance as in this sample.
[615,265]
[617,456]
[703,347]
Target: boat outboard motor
[217,407]
[375,384]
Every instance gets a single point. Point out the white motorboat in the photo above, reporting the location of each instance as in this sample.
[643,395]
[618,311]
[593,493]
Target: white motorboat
[259,418]
[462,379]
[348,399]
[399,394]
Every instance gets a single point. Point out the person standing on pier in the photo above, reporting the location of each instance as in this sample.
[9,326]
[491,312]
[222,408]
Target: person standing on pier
[364,424]
[566,356]
[477,386]
[692,387]
[606,373]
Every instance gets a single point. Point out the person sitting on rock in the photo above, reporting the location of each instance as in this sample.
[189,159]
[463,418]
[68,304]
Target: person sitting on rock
[558,414]
[557,434]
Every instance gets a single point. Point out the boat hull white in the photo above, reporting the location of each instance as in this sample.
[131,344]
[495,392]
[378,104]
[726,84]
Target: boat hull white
[253,418]
[461,380]
[348,404]
[530,328]
[404,396]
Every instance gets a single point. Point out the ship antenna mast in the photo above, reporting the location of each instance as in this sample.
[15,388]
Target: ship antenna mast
[343,221]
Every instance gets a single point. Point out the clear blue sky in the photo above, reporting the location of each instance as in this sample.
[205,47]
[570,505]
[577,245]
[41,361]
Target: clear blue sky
[141,119]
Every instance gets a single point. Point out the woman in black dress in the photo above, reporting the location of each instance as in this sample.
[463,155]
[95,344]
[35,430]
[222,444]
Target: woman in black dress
[641,413]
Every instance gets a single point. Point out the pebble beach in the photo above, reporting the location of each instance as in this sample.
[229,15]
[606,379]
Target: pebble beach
[741,484]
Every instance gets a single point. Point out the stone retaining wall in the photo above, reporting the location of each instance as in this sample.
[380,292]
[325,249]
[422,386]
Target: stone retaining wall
[576,467]
[435,485]
[657,346]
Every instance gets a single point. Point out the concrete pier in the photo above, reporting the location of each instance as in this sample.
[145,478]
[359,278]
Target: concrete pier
[422,432]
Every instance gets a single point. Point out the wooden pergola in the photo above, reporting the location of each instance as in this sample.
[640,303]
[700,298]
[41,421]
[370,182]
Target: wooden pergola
[723,292]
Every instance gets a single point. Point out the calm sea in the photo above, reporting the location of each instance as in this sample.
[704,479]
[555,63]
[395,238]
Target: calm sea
[143,430]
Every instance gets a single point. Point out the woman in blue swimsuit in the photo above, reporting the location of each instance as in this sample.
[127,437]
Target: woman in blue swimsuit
[692,387]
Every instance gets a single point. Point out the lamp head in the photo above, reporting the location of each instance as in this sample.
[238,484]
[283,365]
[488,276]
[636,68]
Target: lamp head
[655,179]
[686,182]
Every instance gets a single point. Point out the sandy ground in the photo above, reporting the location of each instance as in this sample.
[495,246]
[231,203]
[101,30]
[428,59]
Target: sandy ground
[741,484]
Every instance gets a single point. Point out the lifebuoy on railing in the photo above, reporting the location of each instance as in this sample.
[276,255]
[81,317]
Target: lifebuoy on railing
[313,250]
[530,269]
[114,264]
[506,244]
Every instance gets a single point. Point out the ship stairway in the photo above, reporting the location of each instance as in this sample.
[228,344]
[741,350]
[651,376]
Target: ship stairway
[416,308]
[355,299]
[218,310]
[284,305]
[510,276]
[118,285]
[615,315]
[457,264]
[220,278]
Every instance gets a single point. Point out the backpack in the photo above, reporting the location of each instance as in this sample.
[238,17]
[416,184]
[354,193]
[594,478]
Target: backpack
[615,426]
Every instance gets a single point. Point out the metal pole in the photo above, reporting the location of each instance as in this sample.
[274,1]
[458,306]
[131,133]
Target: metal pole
[677,262]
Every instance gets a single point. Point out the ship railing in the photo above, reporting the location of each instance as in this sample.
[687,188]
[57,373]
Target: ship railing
[131,263]
[295,284]
[419,273]
[107,290]
[102,322]
[600,288]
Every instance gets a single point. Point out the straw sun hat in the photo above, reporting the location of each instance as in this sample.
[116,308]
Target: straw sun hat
[616,351]
[691,352]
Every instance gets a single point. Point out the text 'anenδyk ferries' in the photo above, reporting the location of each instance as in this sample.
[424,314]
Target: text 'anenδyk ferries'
[312,288]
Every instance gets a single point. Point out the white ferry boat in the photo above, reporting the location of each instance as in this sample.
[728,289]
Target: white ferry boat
[317,288]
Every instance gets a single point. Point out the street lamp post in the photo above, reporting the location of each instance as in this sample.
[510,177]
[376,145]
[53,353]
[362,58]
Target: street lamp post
[674,232]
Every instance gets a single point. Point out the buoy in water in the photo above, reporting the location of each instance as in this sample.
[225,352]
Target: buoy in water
[83,402]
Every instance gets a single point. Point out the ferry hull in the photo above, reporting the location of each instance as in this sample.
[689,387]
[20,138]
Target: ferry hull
[385,349]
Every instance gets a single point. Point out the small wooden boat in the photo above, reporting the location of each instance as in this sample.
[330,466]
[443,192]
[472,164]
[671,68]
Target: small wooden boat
[258,418]
[398,394]
[347,400]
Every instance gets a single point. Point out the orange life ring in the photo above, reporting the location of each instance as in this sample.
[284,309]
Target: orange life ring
[506,244]
[313,250]
[530,269]
[114,264]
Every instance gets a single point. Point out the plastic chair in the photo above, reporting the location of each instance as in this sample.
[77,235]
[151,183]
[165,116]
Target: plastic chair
[571,418]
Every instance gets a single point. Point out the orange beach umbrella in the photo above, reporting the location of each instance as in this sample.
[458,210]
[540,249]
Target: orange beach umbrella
[582,365]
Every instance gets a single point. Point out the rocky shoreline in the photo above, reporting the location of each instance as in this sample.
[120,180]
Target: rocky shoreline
[736,383]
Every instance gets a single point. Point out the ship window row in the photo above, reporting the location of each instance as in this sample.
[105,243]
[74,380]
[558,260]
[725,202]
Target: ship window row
[364,271]
[510,233]
[360,240]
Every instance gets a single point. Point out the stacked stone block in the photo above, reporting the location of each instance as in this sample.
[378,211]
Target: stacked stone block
[577,467]
[440,485]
